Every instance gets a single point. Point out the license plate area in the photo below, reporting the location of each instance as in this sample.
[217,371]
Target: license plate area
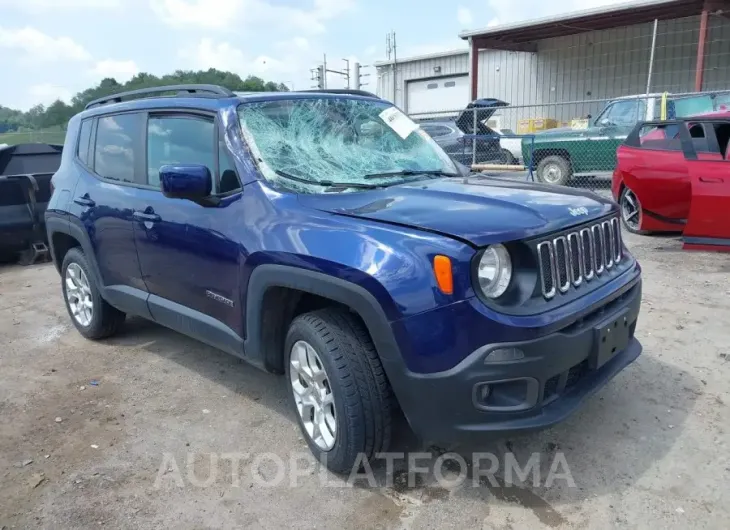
[610,338]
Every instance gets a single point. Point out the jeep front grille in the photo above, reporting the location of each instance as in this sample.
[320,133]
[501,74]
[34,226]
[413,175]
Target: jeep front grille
[578,256]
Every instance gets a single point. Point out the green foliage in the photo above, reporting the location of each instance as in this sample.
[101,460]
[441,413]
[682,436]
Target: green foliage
[53,119]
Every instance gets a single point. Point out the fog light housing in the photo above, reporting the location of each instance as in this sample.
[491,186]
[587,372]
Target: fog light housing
[504,355]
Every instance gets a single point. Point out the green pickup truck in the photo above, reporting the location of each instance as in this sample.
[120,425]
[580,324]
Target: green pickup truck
[559,154]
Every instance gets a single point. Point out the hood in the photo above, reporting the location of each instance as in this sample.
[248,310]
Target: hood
[478,210]
[484,109]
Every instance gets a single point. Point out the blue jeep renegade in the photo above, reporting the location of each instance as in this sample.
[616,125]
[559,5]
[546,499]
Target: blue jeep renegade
[325,236]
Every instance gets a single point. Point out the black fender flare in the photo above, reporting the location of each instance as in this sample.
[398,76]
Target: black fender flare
[357,298]
[61,224]
[124,298]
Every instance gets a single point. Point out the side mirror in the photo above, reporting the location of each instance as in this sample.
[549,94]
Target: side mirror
[606,122]
[589,116]
[186,181]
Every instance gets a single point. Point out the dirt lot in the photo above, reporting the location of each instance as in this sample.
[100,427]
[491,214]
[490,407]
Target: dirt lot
[650,450]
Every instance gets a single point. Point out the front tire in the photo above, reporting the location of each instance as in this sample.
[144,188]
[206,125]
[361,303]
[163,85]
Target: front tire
[90,313]
[337,384]
[554,169]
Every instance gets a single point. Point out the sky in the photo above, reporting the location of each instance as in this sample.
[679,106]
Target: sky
[52,49]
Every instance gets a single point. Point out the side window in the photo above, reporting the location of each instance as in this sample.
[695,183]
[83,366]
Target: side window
[82,150]
[116,150]
[660,137]
[722,132]
[442,130]
[434,131]
[697,130]
[699,138]
[179,140]
[623,113]
[604,114]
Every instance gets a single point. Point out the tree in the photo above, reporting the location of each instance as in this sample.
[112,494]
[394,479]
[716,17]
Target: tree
[58,113]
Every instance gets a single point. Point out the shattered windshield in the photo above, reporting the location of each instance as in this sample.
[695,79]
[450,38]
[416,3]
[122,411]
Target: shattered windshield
[306,143]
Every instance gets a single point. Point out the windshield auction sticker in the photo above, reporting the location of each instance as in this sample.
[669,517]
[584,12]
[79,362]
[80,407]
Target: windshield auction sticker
[399,122]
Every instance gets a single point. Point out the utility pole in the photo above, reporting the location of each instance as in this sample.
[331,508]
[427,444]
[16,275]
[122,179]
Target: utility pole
[318,77]
[322,70]
[357,76]
[390,48]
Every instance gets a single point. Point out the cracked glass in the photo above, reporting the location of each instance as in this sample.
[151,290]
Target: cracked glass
[326,141]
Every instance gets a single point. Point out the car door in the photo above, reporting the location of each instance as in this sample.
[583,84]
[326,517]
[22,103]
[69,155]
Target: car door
[708,222]
[109,160]
[658,175]
[188,252]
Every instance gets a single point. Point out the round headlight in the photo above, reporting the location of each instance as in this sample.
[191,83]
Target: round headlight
[495,271]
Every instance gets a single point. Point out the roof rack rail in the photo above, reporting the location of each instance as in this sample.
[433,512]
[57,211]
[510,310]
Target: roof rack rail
[182,90]
[343,91]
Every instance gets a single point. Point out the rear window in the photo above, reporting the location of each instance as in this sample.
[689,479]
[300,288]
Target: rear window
[692,106]
[434,131]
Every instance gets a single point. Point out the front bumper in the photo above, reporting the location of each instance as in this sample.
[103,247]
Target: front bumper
[556,374]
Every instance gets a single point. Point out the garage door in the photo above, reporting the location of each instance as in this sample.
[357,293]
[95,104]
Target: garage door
[435,95]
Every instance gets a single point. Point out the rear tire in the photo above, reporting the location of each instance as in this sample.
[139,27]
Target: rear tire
[90,313]
[356,400]
[631,212]
[554,169]
[506,157]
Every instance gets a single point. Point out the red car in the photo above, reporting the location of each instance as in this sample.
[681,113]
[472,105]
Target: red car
[662,166]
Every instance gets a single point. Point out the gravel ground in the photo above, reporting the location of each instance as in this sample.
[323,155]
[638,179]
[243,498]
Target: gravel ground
[120,433]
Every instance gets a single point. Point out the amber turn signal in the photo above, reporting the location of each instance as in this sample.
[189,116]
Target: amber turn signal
[443,273]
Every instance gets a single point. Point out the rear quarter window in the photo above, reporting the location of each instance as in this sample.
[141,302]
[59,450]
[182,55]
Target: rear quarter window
[660,137]
[82,149]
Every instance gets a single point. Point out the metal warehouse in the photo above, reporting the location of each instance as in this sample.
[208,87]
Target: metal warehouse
[568,67]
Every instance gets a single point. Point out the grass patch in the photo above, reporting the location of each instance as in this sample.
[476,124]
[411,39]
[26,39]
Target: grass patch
[44,136]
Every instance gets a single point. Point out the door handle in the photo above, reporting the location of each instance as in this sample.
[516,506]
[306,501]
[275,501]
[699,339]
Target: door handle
[142,216]
[714,180]
[84,201]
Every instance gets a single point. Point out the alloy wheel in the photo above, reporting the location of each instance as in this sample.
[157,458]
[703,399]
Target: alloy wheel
[631,210]
[313,395]
[78,295]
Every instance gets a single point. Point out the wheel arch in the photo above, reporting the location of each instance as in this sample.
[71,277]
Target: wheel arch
[64,234]
[541,154]
[264,336]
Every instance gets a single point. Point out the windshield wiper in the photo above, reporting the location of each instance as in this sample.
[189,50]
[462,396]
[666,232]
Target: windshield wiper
[327,183]
[411,173]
